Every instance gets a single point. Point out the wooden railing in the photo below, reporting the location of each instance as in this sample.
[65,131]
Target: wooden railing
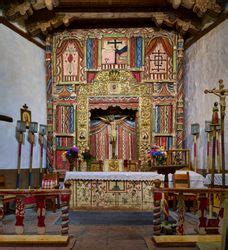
[209,217]
[40,196]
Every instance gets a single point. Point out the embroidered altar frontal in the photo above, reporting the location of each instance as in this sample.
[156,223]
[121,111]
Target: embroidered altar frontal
[124,191]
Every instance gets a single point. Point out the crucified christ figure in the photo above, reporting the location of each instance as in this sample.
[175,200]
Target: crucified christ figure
[113,133]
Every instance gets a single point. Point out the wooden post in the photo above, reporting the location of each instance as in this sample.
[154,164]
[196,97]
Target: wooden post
[65,213]
[203,202]
[157,209]
[19,226]
[181,212]
[19,136]
[215,121]
[225,224]
[41,141]
[208,152]
[218,152]
[1,212]
[195,152]
[31,138]
[40,201]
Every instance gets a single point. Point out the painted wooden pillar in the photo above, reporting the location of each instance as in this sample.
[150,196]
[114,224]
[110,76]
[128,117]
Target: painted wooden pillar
[65,213]
[208,152]
[157,212]
[203,204]
[181,212]
[19,226]
[40,202]
[225,224]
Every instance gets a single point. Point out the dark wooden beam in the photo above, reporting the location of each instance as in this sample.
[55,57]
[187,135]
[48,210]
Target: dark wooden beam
[6,118]
[195,38]
[8,24]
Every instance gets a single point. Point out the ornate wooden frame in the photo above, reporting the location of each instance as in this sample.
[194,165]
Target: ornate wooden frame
[127,87]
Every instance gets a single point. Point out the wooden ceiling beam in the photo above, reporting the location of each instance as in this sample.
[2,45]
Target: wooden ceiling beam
[67,18]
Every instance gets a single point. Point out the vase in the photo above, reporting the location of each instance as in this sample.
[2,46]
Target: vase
[71,165]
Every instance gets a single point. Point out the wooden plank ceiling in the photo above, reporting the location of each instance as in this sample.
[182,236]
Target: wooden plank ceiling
[43,17]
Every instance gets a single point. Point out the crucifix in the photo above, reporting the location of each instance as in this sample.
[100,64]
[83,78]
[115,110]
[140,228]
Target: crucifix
[115,42]
[221,92]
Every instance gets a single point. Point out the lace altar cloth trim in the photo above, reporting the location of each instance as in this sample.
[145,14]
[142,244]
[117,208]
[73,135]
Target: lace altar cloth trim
[131,176]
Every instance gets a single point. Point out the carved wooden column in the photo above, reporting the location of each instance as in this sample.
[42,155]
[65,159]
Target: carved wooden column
[40,202]
[225,224]
[181,212]
[157,208]
[203,204]
[65,213]
[19,225]
[157,212]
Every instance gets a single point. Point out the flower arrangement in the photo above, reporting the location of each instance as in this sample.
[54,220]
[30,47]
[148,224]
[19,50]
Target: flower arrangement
[158,153]
[71,155]
[87,157]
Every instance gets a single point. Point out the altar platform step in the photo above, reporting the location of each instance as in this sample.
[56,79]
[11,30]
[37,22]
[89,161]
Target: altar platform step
[38,240]
[185,240]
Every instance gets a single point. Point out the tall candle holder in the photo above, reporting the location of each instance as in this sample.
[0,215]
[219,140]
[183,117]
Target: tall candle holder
[33,127]
[42,133]
[208,131]
[195,128]
[20,129]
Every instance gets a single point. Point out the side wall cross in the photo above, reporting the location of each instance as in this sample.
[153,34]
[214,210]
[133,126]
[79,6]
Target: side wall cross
[221,92]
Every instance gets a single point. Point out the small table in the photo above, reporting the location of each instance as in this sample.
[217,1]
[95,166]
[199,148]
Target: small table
[166,170]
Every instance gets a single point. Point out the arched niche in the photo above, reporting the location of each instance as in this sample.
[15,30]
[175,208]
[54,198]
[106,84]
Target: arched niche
[116,84]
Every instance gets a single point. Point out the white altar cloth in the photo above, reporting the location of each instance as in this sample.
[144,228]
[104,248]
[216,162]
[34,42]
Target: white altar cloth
[217,180]
[196,180]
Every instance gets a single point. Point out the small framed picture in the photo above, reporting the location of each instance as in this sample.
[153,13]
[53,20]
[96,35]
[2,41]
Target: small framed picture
[26,115]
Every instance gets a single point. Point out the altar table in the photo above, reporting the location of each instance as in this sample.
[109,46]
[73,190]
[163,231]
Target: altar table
[117,190]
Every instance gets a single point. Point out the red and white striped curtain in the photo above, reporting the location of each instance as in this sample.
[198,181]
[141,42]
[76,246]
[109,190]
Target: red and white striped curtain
[126,145]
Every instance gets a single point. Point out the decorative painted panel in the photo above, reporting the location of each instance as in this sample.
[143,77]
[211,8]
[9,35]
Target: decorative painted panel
[111,194]
[69,61]
[64,119]
[158,65]
[116,64]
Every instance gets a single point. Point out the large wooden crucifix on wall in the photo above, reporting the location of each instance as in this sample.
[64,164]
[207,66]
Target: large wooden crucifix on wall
[221,92]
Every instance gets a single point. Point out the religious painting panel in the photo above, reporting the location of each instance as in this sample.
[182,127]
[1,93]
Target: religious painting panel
[69,61]
[114,52]
[158,61]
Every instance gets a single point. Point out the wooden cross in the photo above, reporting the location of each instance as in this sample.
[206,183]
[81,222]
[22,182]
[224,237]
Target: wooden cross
[115,42]
[221,93]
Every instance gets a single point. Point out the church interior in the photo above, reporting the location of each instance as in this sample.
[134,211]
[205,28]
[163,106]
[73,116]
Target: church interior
[113,124]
